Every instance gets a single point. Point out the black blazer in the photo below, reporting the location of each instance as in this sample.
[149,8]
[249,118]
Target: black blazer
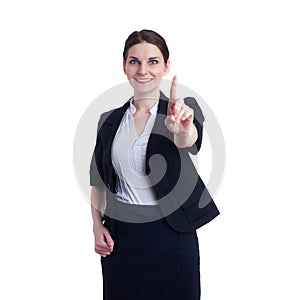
[183,198]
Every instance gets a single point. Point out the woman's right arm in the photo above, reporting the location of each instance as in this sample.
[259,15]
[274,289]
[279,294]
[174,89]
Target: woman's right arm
[103,240]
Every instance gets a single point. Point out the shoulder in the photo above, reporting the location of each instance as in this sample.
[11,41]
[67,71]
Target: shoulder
[110,116]
[193,103]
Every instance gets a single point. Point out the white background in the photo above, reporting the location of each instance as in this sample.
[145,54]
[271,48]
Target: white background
[242,57]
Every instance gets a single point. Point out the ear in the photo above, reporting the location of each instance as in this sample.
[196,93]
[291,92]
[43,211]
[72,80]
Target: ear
[124,66]
[167,67]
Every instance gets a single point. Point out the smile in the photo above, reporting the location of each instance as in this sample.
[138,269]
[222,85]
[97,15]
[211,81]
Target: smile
[144,80]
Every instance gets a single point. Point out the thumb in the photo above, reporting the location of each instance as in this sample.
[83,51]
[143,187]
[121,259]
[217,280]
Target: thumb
[109,240]
[169,120]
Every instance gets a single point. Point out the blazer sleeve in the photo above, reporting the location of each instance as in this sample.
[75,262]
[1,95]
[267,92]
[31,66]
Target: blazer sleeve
[95,178]
[198,122]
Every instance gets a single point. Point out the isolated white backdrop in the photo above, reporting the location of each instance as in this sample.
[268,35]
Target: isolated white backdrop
[242,57]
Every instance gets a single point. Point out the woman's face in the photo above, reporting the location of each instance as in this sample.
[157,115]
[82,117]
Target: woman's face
[145,67]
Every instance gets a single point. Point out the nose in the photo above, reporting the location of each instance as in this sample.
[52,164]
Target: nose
[143,69]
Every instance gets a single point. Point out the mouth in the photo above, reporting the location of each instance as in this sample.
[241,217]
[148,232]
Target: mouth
[143,80]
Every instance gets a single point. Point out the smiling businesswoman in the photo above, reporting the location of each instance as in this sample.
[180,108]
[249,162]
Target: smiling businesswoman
[154,259]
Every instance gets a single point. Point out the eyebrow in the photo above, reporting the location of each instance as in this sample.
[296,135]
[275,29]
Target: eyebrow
[150,58]
[156,57]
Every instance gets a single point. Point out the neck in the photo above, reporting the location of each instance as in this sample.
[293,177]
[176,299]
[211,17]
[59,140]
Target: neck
[144,102]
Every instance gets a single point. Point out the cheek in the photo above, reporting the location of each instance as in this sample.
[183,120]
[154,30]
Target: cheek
[158,71]
[129,70]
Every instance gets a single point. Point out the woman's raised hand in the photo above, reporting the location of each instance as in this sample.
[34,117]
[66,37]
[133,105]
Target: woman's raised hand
[180,116]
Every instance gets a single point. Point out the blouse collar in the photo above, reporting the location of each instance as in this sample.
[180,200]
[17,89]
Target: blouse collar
[153,109]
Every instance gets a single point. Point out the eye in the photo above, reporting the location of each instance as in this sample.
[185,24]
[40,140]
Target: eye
[153,62]
[133,62]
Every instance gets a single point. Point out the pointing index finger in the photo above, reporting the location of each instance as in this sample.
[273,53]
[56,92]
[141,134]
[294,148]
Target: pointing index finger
[173,89]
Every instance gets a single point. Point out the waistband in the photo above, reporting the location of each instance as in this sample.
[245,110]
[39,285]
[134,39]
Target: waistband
[134,213]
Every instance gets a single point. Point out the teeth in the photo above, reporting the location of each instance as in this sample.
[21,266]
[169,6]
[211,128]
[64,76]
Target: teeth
[144,80]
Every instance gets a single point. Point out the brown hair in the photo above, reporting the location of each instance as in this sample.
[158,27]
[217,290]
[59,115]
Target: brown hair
[150,37]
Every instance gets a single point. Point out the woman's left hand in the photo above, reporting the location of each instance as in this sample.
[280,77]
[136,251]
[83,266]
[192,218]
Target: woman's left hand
[180,120]
[180,116]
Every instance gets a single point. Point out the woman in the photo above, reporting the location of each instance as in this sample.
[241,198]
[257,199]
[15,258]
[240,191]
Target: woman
[146,211]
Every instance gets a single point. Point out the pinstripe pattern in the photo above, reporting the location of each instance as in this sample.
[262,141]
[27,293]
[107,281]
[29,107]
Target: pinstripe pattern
[151,261]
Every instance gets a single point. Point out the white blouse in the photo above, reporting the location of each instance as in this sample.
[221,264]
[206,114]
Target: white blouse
[128,158]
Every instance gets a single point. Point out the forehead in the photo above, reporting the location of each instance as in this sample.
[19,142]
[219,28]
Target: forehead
[144,50]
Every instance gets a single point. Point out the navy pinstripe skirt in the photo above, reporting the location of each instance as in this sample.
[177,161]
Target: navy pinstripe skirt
[150,261]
